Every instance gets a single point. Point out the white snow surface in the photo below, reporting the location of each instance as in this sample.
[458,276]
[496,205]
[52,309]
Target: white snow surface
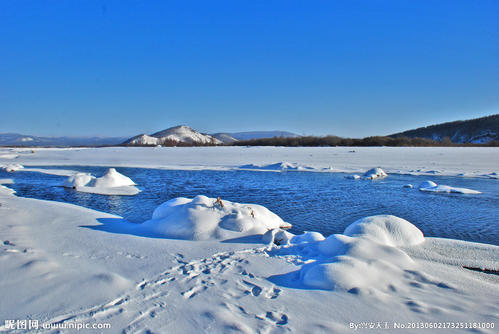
[453,161]
[78,180]
[427,184]
[386,230]
[12,167]
[185,134]
[204,218]
[430,186]
[375,173]
[448,189]
[111,183]
[366,258]
[144,140]
[62,263]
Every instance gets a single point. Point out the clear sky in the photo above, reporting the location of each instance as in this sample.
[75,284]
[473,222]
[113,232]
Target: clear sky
[349,68]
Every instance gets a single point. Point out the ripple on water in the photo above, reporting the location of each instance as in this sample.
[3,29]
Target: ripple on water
[323,202]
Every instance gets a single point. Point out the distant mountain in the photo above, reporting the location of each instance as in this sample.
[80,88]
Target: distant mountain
[477,131]
[16,139]
[181,134]
[224,138]
[261,134]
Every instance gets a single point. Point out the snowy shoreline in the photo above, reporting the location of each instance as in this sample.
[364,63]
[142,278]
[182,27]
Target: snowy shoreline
[91,266]
[87,271]
[447,161]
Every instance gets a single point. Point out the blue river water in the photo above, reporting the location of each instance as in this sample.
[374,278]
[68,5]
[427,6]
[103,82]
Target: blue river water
[323,202]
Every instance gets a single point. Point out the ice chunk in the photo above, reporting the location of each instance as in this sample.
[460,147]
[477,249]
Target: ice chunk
[449,189]
[112,183]
[78,180]
[112,179]
[12,167]
[430,186]
[427,184]
[375,173]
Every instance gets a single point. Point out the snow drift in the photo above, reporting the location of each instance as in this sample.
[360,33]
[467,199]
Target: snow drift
[430,186]
[12,167]
[375,173]
[367,257]
[204,218]
[111,183]
[278,166]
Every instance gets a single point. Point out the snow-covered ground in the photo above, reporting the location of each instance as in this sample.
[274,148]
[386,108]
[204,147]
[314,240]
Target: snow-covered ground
[63,264]
[454,161]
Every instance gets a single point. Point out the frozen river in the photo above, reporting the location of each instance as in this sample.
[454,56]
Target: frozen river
[323,202]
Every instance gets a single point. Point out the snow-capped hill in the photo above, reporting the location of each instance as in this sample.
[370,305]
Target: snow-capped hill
[142,139]
[185,134]
[181,134]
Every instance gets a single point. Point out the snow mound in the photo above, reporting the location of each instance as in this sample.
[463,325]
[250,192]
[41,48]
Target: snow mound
[279,166]
[78,180]
[449,189]
[112,179]
[386,230]
[277,236]
[352,177]
[427,184]
[366,258]
[307,237]
[111,183]
[12,167]
[408,185]
[375,173]
[430,186]
[204,218]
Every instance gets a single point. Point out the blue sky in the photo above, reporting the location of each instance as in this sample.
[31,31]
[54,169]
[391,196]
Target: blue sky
[349,68]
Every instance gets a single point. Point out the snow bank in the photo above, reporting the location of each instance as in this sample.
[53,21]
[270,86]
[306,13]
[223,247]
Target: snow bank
[279,166]
[9,156]
[430,186]
[6,181]
[112,179]
[277,236]
[365,258]
[307,237]
[386,230]
[78,180]
[12,167]
[204,218]
[111,183]
[427,184]
[375,173]
[449,189]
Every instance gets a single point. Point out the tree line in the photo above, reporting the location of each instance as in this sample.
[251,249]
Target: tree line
[367,141]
